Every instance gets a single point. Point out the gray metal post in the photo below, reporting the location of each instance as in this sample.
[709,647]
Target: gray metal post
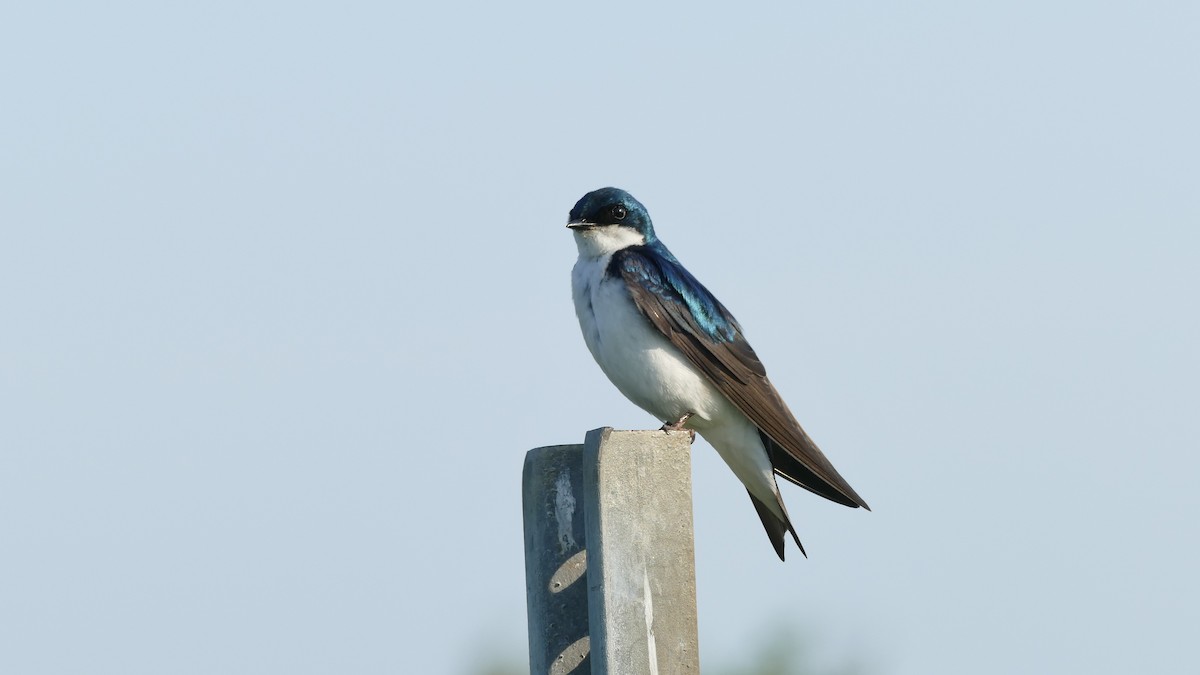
[609,557]
[642,566]
[555,560]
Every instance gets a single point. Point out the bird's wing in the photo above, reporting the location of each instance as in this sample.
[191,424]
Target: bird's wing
[707,334]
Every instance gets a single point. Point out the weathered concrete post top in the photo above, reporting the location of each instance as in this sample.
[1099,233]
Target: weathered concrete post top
[609,555]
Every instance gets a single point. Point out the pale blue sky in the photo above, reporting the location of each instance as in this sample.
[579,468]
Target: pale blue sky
[284,300]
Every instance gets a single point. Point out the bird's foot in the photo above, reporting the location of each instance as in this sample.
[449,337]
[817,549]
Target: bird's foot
[677,425]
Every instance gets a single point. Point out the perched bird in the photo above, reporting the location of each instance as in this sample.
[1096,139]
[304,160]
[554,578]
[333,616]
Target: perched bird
[674,350]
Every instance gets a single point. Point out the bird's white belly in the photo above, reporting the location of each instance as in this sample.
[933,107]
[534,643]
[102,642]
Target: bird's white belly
[652,373]
[643,365]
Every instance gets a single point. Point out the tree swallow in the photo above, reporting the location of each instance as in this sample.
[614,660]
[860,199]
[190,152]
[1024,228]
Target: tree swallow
[674,350]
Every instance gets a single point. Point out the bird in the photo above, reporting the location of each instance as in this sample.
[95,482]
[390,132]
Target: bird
[671,348]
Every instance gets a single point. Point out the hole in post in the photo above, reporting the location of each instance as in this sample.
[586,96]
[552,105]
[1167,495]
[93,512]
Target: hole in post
[574,656]
[569,572]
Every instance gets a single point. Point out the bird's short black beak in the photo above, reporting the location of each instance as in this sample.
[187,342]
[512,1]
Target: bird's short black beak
[581,225]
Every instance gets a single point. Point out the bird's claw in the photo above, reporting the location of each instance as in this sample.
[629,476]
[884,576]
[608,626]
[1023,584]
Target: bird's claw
[678,425]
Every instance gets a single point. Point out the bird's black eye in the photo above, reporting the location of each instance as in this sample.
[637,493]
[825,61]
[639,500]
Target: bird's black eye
[618,212]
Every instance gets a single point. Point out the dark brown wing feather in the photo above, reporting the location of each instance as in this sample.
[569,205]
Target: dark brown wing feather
[734,368]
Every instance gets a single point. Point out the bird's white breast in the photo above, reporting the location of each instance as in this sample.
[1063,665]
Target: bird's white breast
[643,365]
[652,373]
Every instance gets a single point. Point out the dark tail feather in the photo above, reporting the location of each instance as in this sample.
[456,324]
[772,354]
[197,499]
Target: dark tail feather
[776,528]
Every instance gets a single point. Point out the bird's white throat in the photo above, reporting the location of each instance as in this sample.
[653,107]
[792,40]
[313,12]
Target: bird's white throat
[606,240]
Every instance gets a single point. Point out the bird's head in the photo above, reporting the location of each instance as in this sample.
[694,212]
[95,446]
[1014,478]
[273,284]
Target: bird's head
[608,220]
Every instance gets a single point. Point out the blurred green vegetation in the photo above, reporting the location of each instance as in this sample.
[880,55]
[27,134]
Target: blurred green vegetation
[788,651]
[784,651]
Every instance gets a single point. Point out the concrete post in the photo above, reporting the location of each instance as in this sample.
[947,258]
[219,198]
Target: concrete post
[609,557]
[642,566]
